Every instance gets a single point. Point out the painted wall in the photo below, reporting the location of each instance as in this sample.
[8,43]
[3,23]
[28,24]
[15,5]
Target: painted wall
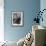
[30,7]
[43,6]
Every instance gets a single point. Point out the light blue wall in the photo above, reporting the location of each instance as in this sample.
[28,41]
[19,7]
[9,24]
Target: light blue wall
[43,6]
[30,7]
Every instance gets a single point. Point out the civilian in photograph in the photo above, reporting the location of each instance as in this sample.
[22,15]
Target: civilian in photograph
[16,18]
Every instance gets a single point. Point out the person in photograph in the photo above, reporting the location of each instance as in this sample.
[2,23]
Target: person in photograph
[16,18]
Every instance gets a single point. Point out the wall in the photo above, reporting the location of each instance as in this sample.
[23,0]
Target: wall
[43,6]
[30,7]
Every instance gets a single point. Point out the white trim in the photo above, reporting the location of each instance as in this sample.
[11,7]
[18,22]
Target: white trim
[2,21]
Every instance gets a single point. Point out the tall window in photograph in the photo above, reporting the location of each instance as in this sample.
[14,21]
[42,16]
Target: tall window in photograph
[17,18]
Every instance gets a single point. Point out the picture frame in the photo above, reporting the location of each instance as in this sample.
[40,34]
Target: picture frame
[17,18]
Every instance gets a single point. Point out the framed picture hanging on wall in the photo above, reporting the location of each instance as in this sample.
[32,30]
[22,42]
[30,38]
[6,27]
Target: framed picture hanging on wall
[17,18]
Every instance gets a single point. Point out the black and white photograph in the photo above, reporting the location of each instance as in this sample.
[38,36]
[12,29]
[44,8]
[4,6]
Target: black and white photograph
[17,18]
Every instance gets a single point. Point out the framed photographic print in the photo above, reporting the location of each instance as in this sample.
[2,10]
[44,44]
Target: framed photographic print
[17,18]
